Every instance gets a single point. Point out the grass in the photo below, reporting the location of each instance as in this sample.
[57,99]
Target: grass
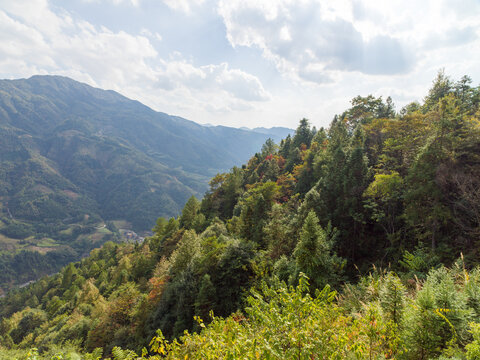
[68,231]
[47,242]
[8,244]
[104,231]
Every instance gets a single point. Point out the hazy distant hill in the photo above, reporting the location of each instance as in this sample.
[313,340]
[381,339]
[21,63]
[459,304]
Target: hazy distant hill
[72,155]
[274,132]
[102,145]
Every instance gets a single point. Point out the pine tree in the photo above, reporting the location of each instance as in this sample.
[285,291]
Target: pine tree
[269,148]
[187,251]
[303,134]
[392,296]
[355,181]
[206,298]
[285,146]
[189,212]
[442,85]
[425,210]
[313,254]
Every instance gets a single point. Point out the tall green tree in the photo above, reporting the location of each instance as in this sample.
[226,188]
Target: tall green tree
[313,254]
[442,86]
[303,134]
[189,212]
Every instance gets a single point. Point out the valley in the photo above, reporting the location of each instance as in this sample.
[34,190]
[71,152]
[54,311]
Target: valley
[74,158]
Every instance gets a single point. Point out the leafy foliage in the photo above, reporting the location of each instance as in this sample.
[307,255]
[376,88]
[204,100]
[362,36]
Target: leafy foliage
[248,271]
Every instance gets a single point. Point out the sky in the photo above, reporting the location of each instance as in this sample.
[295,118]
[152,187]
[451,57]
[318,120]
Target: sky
[245,62]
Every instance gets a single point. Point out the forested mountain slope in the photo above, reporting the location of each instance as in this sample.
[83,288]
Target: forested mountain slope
[73,157]
[383,207]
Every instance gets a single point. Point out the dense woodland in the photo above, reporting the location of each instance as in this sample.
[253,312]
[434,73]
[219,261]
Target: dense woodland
[356,241]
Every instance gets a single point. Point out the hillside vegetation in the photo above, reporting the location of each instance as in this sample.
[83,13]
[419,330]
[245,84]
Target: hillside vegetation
[356,241]
[73,158]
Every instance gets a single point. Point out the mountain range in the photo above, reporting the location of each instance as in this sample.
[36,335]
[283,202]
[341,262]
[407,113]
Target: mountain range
[74,158]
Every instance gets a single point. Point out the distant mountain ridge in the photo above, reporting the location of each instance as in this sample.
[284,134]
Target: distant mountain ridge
[276,133]
[73,157]
[56,100]
[72,124]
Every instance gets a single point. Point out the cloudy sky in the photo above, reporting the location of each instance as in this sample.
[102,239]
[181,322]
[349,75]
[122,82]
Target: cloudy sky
[244,62]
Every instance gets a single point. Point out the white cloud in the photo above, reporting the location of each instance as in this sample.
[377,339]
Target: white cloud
[134,3]
[212,79]
[118,60]
[327,52]
[36,15]
[315,73]
[154,36]
[21,42]
[241,85]
[311,39]
[183,5]
[58,44]
[307,40]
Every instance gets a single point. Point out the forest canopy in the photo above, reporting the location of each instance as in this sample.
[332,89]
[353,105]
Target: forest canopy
[360,240]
